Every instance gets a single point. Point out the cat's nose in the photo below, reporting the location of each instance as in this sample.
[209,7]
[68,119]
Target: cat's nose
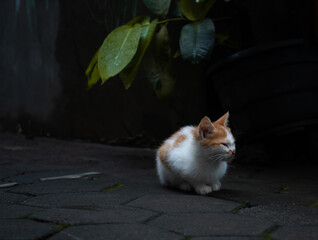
[232,152]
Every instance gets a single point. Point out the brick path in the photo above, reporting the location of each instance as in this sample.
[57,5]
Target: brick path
[122,199]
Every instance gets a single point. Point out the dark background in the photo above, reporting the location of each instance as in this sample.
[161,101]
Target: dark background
[267,78]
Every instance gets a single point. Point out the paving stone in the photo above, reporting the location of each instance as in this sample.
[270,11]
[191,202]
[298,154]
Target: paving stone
[80,201]
[206,224]
[64,186]
[227,238]
[11,198]
[6,172]
[116,232]
[262,186]
[16,211]
[24,229]
[284,214]
[30,177]
[114,214]
[184,203]
[139,189]
[86,199]
[294,232]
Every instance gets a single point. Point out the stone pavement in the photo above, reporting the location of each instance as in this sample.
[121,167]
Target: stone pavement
[120,197]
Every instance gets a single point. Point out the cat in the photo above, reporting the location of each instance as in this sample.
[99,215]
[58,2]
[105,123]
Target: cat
[197,157]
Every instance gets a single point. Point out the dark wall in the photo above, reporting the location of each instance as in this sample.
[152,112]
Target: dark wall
[270,84]
[47,46]
[43,82]
[29,80]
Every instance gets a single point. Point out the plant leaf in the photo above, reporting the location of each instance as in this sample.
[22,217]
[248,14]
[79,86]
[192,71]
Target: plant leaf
[138,19]
[93,79]
[113,187]
[175,8]
[92,72]
[92,64]
[158,7]
[157,64]
[165,85]
[196,10]
[162,48]
[315,204]
[117,50]
[177,54]
[128,75]
[197,40]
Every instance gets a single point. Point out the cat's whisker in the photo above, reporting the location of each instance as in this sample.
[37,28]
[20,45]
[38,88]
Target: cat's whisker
[217,155]
[216,158]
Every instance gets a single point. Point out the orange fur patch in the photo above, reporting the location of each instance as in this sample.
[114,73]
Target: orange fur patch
[222,120]
[217,138]
[163,154]
[175,134]
[166,147]
[179,140]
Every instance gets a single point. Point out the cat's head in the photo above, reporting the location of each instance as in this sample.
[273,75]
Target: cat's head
[216,137]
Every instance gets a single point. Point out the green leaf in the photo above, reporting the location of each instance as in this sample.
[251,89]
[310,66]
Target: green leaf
[197,40]
[93,79]
[175,8]
[113,187]
[117,50]
[157,64]
[92,64]
[158,7]
[164,85]
[92,71]
[177,54]
[315,204]
[128,75]
[196,10]
[281,189]
[162,48]
[138,19]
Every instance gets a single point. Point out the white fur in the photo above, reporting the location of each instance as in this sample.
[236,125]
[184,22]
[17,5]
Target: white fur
[193,166]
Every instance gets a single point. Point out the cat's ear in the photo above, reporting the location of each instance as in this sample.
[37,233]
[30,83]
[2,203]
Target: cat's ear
[206,128]
[224,120]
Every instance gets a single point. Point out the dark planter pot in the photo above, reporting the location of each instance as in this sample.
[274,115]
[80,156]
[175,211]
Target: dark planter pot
[270,90]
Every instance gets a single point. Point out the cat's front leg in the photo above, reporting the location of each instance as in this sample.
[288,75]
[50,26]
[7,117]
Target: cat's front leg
[200,187]
[203,189]
[216,185]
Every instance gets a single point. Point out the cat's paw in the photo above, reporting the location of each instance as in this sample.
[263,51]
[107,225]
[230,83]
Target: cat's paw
[216,186]
[203,189]
[185,187]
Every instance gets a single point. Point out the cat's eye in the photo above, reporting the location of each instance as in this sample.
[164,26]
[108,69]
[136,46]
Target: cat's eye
[225,145]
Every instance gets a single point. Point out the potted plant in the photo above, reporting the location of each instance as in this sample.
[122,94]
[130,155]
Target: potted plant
[147,40]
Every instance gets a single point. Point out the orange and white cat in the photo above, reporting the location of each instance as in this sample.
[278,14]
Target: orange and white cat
[196,157]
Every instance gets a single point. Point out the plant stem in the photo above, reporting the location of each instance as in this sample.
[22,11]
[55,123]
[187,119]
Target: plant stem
[172,19]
